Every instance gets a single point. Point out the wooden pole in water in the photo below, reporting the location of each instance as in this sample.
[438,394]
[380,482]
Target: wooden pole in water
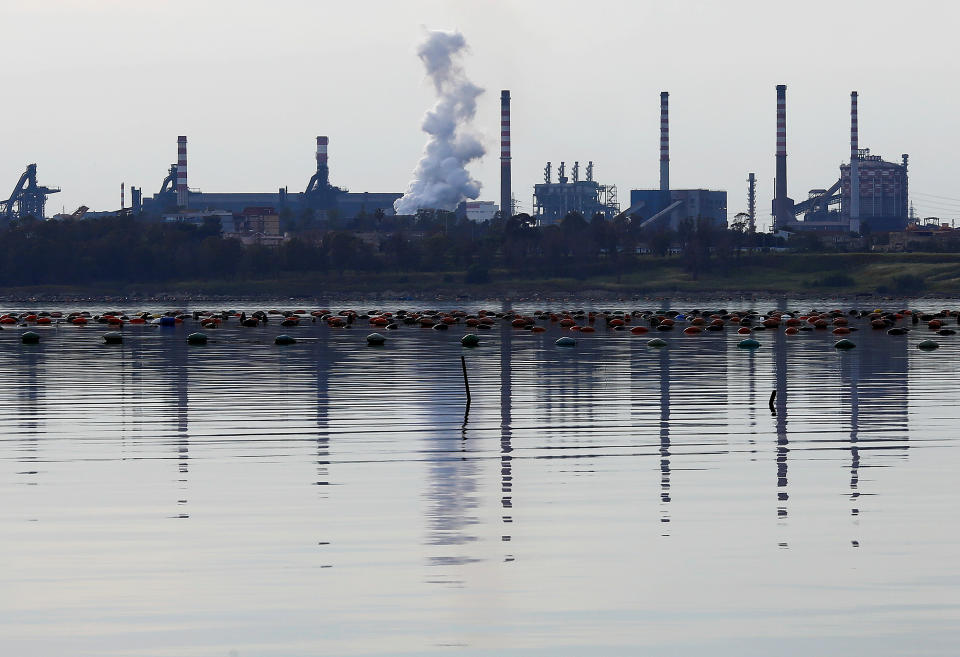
[773,398]
[466,383]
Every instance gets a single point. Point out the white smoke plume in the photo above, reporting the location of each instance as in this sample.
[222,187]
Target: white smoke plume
[441,180]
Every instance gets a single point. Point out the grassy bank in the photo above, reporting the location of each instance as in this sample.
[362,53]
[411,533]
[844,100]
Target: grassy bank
[841,274]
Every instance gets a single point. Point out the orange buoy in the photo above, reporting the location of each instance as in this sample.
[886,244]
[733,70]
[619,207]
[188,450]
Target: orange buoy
[639,330]
[587,329]
[743,330]
[79,321]
[792,330]
[841,330]
[693,330]
[537,329]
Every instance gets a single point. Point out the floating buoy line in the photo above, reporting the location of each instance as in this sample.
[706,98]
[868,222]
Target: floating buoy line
[693,324]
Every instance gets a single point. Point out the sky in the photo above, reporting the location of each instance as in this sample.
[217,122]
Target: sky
[96,92]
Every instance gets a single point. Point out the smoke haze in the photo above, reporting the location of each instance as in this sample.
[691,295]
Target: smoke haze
[441,180]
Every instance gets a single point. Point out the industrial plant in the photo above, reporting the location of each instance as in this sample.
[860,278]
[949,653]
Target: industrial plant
[667,208]
[870,192]
[552,201]
[319,195]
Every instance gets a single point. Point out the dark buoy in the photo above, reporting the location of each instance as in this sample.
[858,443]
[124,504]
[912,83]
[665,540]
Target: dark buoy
[30,338]
[197,338]
[656,342]
[284,339]
[926,345]
[375,339]
[470,340]
[113,337]
[565,341]
[749,343]
[844,344]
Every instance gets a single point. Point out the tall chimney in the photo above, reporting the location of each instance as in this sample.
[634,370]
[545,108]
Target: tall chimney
[506,196]
[781,209]
[752,202]
[323,172]
[854,159]
[664,142]
[182,172]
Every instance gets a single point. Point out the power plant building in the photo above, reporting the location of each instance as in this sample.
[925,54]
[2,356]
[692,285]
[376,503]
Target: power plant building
[872,194]
[667,208]
[552,201]
[319,194]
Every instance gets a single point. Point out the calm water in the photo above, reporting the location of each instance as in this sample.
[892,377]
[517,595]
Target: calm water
[329,498]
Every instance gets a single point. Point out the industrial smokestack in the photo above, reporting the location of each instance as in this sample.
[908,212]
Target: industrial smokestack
[854,159]
[752,202]
[664,142]
[323,172]
[182,172]
[506,195]
[781,210]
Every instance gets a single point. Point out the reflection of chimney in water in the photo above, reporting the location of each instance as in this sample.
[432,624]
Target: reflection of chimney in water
[506,432]
[780,379]
[664,435]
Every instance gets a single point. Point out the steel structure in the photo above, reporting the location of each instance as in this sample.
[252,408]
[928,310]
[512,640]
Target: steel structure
[553,201]
[28,199]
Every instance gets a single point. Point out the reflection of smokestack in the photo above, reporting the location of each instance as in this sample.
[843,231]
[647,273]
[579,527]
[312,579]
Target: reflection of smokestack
[506,196]
[181,172]
[854,159]
[664,143]
[323,172]
[781,210]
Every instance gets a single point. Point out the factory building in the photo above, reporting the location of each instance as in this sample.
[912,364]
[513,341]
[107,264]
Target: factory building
[552,201]
[319,194]
[872,194]
[883,202]
[668,208]
[478,211]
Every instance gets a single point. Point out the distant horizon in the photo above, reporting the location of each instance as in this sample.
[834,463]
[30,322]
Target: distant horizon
[103,101]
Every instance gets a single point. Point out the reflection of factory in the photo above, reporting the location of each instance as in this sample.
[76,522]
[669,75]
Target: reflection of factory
[871,193]
[552,201]
[669,208]
[327,200]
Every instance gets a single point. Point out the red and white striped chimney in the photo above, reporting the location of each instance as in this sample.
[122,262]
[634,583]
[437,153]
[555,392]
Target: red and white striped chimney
[854,159]
[664,142]
[782,213]
[323,171]
[181,171]
[506,195]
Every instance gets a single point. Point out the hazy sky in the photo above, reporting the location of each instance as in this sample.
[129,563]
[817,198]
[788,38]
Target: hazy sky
[96,91]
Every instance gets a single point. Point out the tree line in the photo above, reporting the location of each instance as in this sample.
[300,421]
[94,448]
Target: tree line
[141,250]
